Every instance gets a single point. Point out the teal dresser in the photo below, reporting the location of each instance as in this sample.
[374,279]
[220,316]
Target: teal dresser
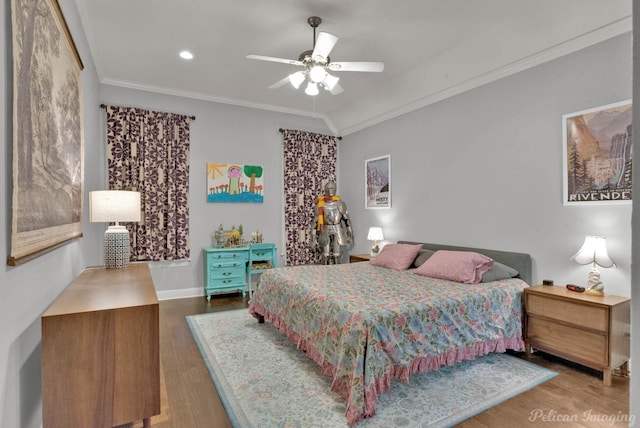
[226,269]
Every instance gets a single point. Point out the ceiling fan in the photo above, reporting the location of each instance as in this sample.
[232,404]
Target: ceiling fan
[317,64]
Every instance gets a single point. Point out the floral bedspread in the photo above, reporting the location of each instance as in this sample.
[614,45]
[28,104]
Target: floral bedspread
[365,325]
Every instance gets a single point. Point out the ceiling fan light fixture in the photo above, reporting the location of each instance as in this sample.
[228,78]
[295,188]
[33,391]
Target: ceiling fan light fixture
[317,73]
[330,81]
[296,79]
[312,89]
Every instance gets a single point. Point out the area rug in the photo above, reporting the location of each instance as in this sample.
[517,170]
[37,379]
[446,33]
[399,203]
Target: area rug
[264,381]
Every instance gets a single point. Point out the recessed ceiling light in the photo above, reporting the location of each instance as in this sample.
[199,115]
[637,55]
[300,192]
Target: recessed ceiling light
[186,55]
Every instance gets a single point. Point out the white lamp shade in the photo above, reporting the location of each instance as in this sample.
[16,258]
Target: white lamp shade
[114,206]
[312,89]
[594,250]
[330,81]
[296,79]
[375,234]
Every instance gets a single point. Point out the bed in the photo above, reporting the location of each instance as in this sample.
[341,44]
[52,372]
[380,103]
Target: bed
[365,324]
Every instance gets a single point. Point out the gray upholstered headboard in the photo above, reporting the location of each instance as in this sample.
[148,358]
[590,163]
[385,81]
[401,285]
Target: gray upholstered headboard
[519,261]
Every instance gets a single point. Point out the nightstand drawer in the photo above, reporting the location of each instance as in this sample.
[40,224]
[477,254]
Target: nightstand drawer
[578,313]
[583,346]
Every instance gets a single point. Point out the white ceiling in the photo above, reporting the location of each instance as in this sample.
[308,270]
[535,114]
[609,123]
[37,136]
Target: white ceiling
[432,49]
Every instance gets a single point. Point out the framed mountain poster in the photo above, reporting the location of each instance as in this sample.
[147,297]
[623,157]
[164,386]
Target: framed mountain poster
[377,193]
[597,155]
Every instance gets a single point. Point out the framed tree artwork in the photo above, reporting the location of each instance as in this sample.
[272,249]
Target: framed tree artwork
[48,168]
[377,173]
[227,182]
[597,155]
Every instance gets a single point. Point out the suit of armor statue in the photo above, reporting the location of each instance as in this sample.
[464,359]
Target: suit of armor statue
[332,227]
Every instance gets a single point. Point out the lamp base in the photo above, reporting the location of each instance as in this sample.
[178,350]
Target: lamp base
[116,247]
[595,286]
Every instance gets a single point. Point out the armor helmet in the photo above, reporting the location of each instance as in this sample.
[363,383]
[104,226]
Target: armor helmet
[330,188]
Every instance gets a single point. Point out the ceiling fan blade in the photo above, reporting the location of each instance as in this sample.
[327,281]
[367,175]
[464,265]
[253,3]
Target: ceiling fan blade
[324,44]
[280,83]
[274,59]
[374,67]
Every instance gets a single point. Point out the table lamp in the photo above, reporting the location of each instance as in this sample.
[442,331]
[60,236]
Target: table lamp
[375,235]
[594,250]
[106,206]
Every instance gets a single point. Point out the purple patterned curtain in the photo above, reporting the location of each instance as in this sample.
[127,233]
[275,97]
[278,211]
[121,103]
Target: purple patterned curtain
[309,162]
[148,152]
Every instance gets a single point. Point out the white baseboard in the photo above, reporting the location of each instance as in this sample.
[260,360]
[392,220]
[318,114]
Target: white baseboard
[180,293]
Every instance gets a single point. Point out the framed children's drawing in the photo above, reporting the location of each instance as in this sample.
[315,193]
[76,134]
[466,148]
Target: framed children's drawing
[596,152]
[377,173]
[235,183]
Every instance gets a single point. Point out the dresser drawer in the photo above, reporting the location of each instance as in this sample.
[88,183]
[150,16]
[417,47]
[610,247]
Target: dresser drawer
[227,256]
[227,264]
[227,270]
[583,346]
[226,283]
[262,254]
[573,312]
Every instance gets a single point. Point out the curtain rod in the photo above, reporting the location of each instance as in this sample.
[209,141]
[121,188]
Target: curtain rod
[104,107]
[282,130]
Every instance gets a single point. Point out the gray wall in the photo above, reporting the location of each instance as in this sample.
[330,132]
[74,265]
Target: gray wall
[27,290]
[220,134]
[484,168]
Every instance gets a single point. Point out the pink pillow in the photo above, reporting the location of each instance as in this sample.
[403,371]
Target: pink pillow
[396,256]
[461,266]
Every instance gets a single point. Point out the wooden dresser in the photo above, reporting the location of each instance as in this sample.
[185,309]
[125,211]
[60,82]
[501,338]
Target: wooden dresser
[100,350]
[589,330]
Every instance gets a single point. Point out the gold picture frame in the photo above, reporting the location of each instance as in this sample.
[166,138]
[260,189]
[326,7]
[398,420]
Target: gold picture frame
[48,134]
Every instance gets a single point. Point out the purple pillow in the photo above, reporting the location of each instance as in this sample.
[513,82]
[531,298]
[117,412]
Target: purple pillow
[396,256]
[460,266]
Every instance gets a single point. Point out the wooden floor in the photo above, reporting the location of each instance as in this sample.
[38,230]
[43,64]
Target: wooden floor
[574,398]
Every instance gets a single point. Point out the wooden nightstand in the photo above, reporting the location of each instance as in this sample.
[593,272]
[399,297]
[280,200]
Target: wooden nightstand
[590,330]
[354,258]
